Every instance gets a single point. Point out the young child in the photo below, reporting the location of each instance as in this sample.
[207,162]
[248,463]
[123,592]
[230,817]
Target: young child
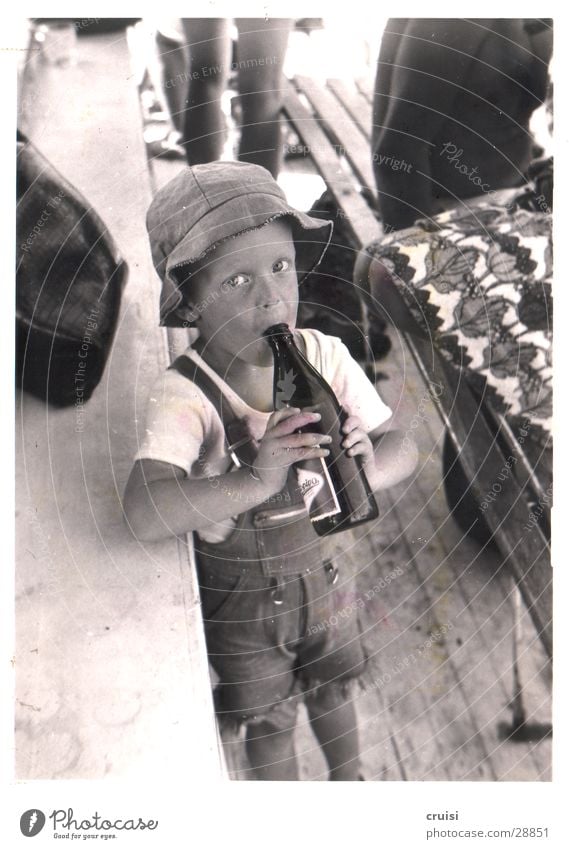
[231,253]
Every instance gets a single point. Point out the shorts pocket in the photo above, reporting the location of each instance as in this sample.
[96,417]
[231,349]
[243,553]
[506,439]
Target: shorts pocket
[286,541]
[221,596]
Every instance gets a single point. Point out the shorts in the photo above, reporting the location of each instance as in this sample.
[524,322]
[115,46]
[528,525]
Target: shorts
[273,643]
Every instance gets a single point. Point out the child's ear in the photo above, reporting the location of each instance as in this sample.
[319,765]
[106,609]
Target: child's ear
[188,312]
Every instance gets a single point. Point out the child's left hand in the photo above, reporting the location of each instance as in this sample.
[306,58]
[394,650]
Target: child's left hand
[356,442]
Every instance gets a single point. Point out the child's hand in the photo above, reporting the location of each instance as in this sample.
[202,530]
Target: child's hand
[281,446]
[356,442]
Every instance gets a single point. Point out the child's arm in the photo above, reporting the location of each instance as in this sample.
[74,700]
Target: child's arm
[161,501]
[388,457]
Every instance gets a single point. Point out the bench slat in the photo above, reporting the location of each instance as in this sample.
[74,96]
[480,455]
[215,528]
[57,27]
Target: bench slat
[340,128]
[355,104]
[358,216]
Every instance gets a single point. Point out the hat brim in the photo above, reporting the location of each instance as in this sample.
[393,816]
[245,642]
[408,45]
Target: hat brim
[311,238]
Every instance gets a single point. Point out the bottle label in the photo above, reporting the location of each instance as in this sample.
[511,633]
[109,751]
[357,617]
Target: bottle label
[285,389]
[317,490]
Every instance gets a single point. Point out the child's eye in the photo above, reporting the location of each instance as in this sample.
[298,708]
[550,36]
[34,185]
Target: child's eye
[281,265]
[235,281]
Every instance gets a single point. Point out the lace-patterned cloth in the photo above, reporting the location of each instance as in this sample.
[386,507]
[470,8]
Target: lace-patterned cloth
[479,283]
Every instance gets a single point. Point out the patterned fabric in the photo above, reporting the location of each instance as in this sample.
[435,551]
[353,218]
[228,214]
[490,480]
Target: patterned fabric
[479,283]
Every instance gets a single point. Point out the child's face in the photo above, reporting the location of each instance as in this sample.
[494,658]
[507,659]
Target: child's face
[242,288]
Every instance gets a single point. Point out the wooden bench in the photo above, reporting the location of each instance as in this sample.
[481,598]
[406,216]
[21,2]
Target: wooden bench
[111,667]
[334,124]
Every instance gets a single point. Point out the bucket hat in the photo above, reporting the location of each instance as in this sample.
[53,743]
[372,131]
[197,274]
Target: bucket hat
[205,205]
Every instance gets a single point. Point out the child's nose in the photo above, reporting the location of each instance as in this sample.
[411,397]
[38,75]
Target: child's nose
[268,289]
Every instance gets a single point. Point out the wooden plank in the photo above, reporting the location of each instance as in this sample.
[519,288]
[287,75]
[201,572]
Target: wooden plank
[162,170]
[356,105]
[535,676]
[340,128]
[462,580]
[432,715]
[312,764]
[481,588]
[359,219]
[378,550]
[365,86]
[456,709]
[392,634]
[380,755]
[426,536]
[111,679]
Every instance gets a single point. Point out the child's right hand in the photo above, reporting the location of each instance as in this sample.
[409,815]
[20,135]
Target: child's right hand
[281,446]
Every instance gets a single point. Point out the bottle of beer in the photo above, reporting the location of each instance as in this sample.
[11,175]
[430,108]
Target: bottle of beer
[335,489]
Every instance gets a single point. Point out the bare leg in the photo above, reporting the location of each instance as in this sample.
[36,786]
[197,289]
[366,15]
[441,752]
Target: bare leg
[271,753]
[261,50]
[173,66]
[208,48]
[333,720]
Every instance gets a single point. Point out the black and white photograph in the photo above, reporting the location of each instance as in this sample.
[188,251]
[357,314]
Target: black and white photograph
[282,425]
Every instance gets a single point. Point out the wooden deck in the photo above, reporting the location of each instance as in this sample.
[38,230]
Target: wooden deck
[87,591]
[438,713]
[442,713]
[445,716]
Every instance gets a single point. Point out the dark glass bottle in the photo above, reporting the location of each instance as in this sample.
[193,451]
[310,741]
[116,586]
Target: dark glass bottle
[335,488]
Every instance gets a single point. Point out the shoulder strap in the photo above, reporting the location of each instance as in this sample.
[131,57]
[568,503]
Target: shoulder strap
[237,437]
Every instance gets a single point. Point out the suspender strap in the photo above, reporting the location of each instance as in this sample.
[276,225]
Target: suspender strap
[237,437]
[283,542]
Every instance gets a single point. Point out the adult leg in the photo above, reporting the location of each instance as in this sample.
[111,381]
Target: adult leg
[271,752]
[208,48]
[173,77]
[334,722]
[261,49]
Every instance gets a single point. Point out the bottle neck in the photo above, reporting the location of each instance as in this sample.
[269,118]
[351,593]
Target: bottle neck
[290,379]
[279,334]
[282,342]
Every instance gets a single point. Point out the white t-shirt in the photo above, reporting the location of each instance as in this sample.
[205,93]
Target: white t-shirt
[184,429]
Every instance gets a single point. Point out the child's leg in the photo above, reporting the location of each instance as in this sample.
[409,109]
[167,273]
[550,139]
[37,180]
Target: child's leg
[271,752]
[333,720]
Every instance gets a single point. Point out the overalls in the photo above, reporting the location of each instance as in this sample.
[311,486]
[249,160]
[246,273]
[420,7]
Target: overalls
[269,599]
